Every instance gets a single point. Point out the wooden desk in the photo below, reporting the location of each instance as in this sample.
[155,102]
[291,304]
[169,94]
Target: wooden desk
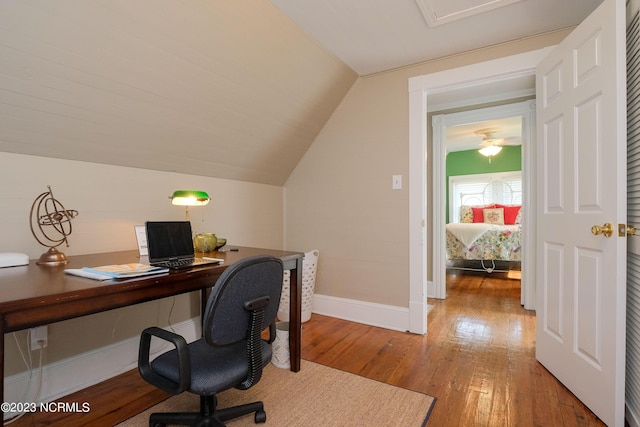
[34,295]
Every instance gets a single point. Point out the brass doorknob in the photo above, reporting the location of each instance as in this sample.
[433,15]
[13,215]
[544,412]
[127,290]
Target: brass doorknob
[606,229]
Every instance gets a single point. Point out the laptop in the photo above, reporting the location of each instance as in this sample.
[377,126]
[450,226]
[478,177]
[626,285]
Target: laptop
[170,244]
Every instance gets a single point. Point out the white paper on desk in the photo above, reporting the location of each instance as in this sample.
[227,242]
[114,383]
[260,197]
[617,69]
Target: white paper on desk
[141,238]
[86,274]
[120,271]
[93,274]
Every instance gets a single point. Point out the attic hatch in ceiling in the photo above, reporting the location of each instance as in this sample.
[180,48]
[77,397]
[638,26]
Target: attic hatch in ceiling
[438,12]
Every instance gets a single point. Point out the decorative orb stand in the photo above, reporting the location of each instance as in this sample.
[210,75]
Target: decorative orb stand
[50,225]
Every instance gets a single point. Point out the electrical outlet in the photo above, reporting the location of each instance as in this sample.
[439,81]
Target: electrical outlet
[38,337]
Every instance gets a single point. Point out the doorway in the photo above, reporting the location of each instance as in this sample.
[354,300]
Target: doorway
[420,243]
[522,113]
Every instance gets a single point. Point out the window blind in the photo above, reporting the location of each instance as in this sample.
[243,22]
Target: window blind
[483,189]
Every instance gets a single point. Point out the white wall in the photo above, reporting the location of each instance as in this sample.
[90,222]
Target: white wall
[111,200]
[340,199]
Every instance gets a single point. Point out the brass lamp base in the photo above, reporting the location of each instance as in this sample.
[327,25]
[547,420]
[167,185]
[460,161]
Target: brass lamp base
[52,257]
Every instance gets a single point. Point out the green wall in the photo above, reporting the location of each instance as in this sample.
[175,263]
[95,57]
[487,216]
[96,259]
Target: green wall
[471,162]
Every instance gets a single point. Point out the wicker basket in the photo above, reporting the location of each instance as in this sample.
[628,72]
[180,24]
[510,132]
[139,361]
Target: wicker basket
[280,356]
[309,267]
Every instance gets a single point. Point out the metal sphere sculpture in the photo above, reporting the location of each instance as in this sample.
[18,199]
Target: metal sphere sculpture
[51,225]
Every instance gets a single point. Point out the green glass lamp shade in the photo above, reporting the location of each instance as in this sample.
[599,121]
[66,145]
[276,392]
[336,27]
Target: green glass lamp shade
[189,198]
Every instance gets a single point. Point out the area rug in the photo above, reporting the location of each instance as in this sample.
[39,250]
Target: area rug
[315,396]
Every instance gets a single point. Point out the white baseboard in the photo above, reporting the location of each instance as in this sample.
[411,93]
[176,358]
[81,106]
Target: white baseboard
[84,370]
[384,316]
[431,290]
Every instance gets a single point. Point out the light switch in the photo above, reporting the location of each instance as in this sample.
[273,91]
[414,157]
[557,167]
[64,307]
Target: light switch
[397,182]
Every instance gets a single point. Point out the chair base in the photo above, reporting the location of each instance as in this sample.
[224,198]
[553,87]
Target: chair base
[208,415]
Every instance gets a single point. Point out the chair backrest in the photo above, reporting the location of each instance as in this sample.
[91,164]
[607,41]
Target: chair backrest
[225,319]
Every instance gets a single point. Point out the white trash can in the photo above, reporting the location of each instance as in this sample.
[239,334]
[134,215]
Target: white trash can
[280,346]
[309,268]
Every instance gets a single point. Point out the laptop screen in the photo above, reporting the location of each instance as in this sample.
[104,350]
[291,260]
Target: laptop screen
[169,239]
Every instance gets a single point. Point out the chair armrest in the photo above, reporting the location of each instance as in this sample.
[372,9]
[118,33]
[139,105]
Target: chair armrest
[184,367]
[272,332]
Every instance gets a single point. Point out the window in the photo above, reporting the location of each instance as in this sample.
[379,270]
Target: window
[483,189]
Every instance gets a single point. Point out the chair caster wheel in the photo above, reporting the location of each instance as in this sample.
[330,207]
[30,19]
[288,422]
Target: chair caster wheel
[260,417]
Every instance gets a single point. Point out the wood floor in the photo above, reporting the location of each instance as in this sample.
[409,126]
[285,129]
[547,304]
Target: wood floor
[478,359]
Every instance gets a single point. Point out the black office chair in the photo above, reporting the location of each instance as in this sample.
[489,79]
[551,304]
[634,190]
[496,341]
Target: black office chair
[231,353]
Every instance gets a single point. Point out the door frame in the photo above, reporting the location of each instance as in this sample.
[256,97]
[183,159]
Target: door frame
[419,88]
[527,111]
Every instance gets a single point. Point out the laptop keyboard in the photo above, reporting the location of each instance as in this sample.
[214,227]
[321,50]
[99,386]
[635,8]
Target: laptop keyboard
[175,263]
[184,262]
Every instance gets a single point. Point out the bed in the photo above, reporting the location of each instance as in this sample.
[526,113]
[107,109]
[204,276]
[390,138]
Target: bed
[486,233]
[487,242]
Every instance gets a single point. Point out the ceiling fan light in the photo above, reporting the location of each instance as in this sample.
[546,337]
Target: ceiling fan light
[490,150]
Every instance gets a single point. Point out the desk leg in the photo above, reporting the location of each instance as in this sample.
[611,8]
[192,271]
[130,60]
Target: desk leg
[295,316]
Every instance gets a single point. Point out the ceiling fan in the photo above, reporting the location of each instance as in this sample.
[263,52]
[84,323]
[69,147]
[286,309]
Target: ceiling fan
[491,144]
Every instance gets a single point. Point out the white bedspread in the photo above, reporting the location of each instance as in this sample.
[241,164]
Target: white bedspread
[467,233]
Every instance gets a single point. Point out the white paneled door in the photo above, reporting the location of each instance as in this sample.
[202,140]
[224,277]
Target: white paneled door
[581,183]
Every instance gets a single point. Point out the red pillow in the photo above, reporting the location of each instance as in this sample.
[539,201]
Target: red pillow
[478,213]
[510,213]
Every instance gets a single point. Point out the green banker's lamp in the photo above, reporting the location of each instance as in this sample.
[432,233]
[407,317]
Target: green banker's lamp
[188,198]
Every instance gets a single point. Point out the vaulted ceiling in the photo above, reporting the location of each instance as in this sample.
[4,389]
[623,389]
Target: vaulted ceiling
[378,35]
[229,89]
